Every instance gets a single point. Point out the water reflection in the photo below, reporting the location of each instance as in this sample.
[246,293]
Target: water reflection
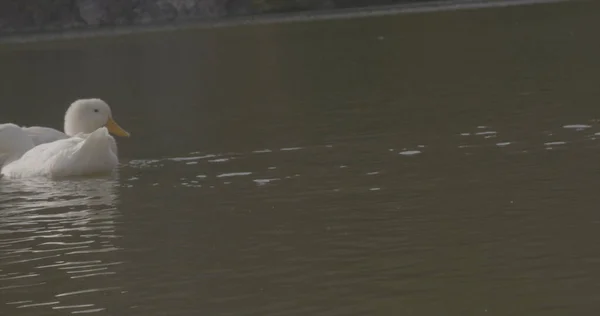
[340,215]
[54,237]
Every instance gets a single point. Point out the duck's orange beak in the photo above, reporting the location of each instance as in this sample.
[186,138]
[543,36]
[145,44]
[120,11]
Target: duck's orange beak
[114,128]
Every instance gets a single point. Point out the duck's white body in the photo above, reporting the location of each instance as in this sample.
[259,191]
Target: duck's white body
[75,156]
[85,148]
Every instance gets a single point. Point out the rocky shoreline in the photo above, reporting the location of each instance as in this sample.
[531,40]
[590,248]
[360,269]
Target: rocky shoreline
[26,16]
[29,20]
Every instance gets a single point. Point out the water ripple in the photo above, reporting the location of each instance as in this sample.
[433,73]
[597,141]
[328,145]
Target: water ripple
[62,231]
[409,152]
[210,170]
[87,291]
[233,174]
[88,311]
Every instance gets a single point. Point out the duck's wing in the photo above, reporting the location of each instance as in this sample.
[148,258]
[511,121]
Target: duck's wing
[74,156]
[43,159]
[14,142]
[41,135]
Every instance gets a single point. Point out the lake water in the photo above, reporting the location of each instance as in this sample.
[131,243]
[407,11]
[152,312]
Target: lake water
[429,164]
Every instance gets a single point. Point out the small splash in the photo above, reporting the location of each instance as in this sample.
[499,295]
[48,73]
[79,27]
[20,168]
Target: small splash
[290,148]
[261,182]
[482,127]
[38,304]
[2,288]
[219,160]
[262,151]
[19,302]
[201,176]
[555,143]
[191,163]
[503,144]
[143,163]
[465,134]
[486,133]
[374,189]
[89,311]
[577,127]
[234,174]
[191,158]
[87,291]
[409,152]
[372,173]
[73,306]
[191,185]
[92,275]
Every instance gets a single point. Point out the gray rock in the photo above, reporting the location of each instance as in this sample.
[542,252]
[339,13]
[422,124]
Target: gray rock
[111,12]
[148,11]
[40,15]
[92,12]
[27,15]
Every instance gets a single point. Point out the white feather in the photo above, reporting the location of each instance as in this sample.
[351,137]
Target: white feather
[14,142]
[40,135]
[75,156]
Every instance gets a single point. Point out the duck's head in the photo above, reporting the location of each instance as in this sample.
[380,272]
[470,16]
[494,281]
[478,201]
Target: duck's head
[88,115]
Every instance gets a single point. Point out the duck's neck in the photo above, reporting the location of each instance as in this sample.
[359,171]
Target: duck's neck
[75,125]
[73,128]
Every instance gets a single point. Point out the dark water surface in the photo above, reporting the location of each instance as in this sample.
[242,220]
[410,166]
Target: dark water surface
[430,164]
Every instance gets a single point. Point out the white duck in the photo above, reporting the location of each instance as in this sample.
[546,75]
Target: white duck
[84,148]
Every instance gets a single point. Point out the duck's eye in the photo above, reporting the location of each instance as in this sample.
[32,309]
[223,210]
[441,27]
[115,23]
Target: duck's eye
[96,110]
